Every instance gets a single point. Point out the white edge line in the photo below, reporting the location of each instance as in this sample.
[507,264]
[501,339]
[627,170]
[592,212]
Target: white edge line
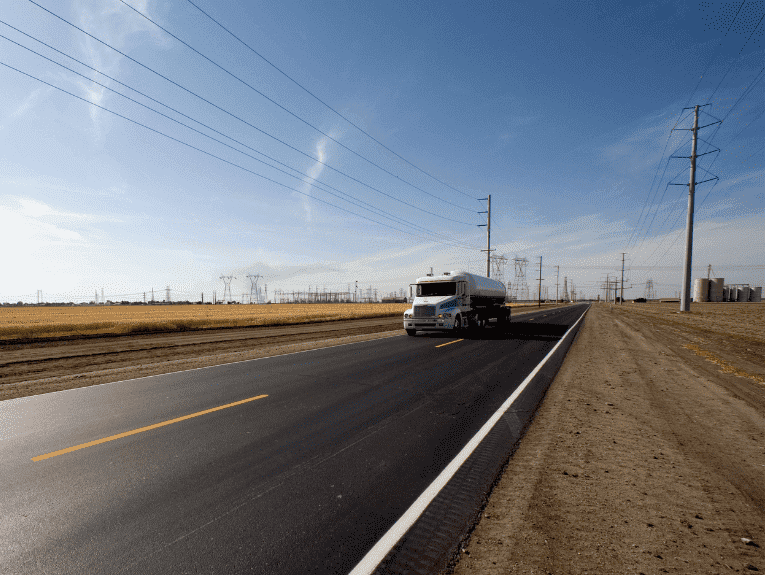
[27,397]
[375,555]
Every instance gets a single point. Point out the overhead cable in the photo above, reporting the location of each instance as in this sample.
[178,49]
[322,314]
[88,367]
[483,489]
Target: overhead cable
[314,158]
[456,244]
[301,177]
[291,79]
[290,112]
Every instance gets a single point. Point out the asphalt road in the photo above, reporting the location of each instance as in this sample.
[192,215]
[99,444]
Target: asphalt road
[304,480]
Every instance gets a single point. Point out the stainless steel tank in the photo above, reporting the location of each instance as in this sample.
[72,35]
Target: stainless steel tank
[716,289]
[701,290]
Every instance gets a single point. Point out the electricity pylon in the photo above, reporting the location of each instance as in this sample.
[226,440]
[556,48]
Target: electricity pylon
[254,286]
[227,287]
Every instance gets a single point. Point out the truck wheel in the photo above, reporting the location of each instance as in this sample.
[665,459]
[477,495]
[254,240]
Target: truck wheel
[457,324]
[411,331]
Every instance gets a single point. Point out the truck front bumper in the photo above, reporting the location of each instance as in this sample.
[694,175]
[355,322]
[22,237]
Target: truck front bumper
[429,324]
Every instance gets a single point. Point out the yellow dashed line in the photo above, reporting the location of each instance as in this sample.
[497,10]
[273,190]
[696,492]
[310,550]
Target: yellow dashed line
[450,342]
[142,429]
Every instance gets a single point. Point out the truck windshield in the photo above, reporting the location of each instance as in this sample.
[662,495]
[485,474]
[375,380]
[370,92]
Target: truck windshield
[436,289]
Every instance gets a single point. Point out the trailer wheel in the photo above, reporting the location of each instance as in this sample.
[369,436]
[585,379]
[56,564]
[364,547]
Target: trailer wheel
[411,331]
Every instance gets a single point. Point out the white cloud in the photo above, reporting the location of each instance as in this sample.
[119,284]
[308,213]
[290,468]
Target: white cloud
[313,174]
[118,26]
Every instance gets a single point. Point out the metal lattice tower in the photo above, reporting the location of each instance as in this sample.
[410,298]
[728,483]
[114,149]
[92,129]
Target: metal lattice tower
[650,292]
[227,287]
[566,297]
[254,286]
[498,264]
[520,286]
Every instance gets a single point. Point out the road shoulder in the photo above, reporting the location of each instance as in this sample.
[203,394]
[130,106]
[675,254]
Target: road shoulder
[640,459]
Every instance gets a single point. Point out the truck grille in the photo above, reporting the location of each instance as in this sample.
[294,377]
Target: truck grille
[424,311]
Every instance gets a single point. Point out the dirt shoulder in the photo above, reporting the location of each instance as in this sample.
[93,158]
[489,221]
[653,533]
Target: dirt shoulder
[646,456]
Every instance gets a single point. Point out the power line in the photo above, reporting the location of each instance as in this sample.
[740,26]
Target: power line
[383,213]
[711,60]
[692,94]
[306,122]
[290,78]
[658,166]
[246,122]
[454,243]
[658,204]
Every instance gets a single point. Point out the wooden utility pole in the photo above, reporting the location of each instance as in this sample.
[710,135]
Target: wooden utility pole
[621,297]
[539,302]
[488,235]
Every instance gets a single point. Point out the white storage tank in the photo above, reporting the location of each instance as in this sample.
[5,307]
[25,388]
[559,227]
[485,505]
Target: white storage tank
[756,294]
[726,293]
[701,290]
[716,287]
[743,293]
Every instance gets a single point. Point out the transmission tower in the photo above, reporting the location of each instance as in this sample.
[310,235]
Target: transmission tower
[227,287]
[520,287]
[254,286]
[498,264]
[650,292]
[565,289]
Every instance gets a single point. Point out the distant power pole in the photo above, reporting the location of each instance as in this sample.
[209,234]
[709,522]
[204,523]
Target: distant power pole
[167,297]
[557,281]
[621,297]
[488,235]
[539,297]
[144,298]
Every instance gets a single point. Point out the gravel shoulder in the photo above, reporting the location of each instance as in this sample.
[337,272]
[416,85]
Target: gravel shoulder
[647,456]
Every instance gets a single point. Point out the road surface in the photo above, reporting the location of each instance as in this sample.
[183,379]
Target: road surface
[291,464]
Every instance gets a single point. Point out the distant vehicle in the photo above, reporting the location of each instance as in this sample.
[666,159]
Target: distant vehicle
[455,301]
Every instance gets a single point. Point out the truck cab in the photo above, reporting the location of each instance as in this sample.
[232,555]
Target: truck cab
[452,301]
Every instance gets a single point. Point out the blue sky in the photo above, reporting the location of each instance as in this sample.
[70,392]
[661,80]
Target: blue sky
[561,111]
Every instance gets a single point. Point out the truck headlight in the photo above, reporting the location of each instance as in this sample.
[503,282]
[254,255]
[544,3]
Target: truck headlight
[407,315]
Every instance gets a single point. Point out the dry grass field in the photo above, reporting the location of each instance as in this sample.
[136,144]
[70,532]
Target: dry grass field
[29,323]
[25,323]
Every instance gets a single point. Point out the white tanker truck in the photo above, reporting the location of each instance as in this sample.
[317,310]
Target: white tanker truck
[454,301]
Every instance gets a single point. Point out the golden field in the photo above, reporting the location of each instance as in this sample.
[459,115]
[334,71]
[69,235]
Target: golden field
[46,322]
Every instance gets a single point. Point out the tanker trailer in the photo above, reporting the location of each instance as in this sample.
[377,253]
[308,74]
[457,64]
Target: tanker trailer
[455,301]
